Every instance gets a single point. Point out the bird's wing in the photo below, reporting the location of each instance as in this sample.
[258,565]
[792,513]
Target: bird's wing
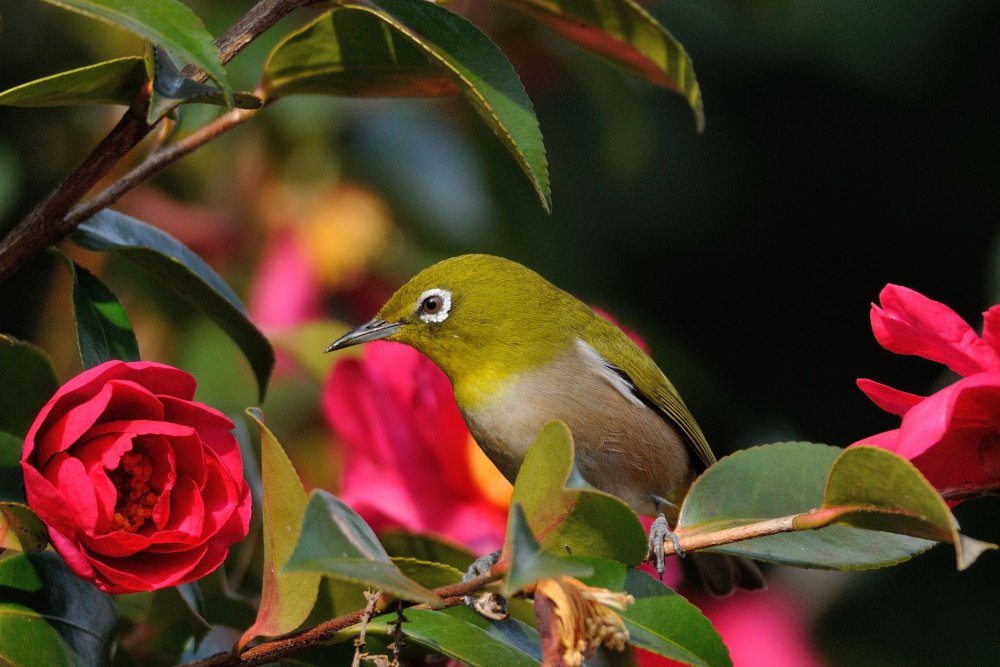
[648,383]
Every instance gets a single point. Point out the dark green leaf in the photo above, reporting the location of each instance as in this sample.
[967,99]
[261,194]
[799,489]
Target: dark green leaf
[110,82]
[461,52]
[11,478]
[664,622]
[171,89]
[426,547]
[577,519]
[781,480]
[528,562]
[20,529]
[220,639]
[462,635]
[190,593]
[103,331]
[29,381]
[286,598]
[336,542]
[49,617]
[173,263]
[168,23]
[353,53]
[625,33]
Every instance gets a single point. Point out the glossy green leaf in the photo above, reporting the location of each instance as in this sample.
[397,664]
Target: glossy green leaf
[463,635]
[177,267]
[171,89]
[353,53]
[529,563]
[20,529]
[873,488]
[287,597]
[49,617]
[168,23]
[781,480]
[103,330]
[664,622]
[336,542]
[110,82]
[564,513]
[400,543]
[323,58]
[626,34]
[11,478]
[29,381]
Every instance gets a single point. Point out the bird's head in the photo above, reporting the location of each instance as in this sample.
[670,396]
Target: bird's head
[476,315]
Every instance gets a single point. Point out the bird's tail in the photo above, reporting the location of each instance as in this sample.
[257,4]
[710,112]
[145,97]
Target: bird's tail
[723,573]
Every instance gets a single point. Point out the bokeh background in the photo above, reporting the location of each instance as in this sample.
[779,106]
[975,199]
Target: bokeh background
[848,144]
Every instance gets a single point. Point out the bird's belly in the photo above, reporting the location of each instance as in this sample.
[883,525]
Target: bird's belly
[622,446]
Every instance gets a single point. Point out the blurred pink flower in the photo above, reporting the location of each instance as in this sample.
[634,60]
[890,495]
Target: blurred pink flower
[952,436]
[410,460]
[761,629]
[286,290]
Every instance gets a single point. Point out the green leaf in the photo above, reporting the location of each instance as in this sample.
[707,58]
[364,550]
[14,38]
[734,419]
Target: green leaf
[110,82]
[428,573]
[463,635]
[103,330]
[873,488]
[343,54]
[781,480]
[564,513]
[664,622]
[627,35]
[286,598]
[528,562]
[29,381]
[11,478]
[353,53]
[20,529]
[173,264]
[400,543]
[49,617]
[168,23]
[336,542]
[171,89]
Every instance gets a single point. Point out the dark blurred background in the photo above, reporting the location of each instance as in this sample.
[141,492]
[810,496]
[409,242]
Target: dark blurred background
[848,144]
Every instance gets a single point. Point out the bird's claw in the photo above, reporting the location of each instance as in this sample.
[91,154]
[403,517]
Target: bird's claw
[659,532]
[490,605]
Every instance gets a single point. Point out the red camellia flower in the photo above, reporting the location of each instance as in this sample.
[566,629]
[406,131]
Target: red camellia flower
[952,436]
[140,486]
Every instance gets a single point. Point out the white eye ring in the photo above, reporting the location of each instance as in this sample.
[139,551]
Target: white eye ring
[434,305]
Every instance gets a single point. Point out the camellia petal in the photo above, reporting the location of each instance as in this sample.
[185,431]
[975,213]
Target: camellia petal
[909,323]
[133,500]
[891,400]
[991,328]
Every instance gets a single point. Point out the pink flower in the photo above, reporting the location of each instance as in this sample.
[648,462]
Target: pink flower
[760,629]
[410,460]
[140,486]
[952,436]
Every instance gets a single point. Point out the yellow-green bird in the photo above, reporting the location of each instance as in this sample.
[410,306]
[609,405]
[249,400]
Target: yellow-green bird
[521,352]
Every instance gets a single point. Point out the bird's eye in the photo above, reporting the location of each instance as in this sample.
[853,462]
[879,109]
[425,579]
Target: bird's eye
[434,305]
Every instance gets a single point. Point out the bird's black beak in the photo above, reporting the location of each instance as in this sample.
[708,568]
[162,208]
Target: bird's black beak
[373,329]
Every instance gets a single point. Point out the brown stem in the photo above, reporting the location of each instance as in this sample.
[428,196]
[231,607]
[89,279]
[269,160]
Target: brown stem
[967,491]
[296,642]
[48,222]
[715,538]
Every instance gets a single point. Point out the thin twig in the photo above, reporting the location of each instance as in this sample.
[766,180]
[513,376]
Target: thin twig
[296,642]
[48,222]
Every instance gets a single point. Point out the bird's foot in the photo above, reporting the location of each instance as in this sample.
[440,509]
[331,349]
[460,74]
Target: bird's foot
[490,605]
[659,532]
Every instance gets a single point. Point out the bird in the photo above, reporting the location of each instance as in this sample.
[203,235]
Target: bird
[521,352]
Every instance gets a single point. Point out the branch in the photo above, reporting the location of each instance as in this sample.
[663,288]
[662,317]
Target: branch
[296,642]
[48,223]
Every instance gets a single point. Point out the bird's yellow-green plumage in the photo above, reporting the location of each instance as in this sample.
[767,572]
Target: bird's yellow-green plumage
[520,352]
